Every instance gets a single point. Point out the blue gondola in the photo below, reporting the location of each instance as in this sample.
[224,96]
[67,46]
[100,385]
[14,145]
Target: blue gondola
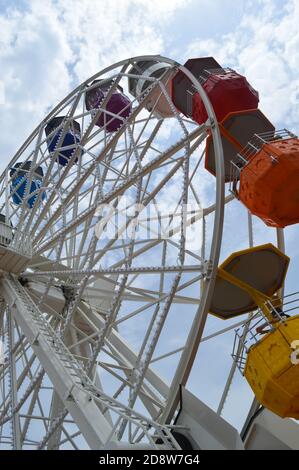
[19,179]
[72,138]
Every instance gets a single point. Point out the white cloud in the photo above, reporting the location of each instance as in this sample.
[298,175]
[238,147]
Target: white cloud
[49,48]
[265,47]
[53,45]
[2,93]
[33,56]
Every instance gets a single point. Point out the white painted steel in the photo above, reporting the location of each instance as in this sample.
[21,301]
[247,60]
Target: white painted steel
[75,293]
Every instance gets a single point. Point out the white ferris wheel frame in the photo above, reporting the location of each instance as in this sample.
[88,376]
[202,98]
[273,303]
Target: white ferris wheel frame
[81,397]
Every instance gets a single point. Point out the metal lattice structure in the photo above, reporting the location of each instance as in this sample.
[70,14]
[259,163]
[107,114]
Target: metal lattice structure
[86,317]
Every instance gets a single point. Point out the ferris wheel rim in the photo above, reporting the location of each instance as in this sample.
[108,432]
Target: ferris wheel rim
[193,342]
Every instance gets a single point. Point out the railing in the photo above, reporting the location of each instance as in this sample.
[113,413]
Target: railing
[15,240]
[248,335]
[255,144]
[205,74]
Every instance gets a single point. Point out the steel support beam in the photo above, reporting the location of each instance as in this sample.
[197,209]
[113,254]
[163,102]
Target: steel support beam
[65,378]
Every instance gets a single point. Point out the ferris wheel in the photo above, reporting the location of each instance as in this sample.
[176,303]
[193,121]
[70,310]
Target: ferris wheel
[110,243]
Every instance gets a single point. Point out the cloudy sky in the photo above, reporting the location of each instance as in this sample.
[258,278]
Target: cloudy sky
[48,47]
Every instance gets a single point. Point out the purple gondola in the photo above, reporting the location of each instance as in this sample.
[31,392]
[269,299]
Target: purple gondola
[118,104]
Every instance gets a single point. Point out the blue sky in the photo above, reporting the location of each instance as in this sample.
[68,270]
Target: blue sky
[48,47]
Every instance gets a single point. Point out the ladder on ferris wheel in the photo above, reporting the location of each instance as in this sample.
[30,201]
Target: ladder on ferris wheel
[75,388]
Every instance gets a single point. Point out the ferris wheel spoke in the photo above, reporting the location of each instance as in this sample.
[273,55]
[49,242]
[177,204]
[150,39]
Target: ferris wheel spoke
[16,404]
[28,417]
[44,263]
[146,395]
[128,356]
[93,308]
[125,226]
[48,174]
[35,379]
[77,274]
[55,356]
[121,188]
[86,174]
